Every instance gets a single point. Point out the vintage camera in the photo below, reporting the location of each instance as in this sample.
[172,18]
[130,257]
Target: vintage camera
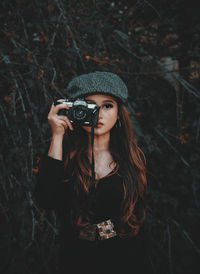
[80,112]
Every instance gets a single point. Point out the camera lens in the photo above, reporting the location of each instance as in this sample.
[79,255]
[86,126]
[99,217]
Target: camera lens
[80,112]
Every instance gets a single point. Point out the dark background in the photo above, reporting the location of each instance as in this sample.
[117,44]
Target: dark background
[154,47]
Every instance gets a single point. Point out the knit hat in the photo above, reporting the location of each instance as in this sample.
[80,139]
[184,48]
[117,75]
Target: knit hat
[97,82]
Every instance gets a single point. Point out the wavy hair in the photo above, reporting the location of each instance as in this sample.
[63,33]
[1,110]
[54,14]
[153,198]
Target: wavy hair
[132,164]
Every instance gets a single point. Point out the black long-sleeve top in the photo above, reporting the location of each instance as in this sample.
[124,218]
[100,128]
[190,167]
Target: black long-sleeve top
[82,256]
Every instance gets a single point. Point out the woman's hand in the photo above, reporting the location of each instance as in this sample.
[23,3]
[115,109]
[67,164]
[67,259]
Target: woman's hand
[58,123]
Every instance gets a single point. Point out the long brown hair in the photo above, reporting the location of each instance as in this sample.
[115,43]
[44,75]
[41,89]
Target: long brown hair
[131,161]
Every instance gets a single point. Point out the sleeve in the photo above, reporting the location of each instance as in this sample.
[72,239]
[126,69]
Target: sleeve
[51,192]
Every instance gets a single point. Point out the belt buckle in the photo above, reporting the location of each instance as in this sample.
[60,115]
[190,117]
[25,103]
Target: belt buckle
[106,230]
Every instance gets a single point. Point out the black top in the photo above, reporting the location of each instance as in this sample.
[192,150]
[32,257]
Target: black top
[83,256]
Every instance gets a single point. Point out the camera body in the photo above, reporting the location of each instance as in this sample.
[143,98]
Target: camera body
[80,112]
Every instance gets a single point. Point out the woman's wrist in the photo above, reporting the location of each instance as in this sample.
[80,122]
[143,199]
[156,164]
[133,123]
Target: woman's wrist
[55,150]
[57,136]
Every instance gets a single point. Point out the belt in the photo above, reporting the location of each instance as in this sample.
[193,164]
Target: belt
[101,231]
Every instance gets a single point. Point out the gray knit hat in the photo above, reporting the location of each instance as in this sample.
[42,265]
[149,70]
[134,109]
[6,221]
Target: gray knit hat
[97,82]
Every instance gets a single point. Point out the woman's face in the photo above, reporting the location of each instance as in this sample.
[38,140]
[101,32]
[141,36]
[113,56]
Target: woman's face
[108,113]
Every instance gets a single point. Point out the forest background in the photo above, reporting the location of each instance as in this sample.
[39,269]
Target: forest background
[154,46]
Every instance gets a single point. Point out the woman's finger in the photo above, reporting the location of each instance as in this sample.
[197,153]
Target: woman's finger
[62,118]
[55,109]
[65,121]
[63,124]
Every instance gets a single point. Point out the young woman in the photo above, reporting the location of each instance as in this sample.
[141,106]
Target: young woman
[96,182]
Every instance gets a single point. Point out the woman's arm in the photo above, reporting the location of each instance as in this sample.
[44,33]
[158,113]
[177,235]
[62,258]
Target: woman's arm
[58,124]
[55,150]
[50,190]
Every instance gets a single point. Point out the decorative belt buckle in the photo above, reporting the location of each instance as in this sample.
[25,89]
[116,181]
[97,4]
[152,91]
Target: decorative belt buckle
[106,230]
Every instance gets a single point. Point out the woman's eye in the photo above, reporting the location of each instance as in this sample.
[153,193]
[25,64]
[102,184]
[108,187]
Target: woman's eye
[108,106]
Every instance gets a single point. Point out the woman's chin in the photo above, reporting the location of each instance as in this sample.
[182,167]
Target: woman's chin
[97,131]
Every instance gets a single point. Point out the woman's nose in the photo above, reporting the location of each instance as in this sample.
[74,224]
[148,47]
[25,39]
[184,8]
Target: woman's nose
[100,113]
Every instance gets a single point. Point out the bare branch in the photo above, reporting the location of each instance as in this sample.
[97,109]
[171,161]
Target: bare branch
[63,13]
[186,235]
[4,116]
[169,249]
[172,147]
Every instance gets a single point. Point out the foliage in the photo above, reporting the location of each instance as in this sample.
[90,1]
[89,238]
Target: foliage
[43,45]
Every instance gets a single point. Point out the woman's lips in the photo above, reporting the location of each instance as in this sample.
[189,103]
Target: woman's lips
[99,125]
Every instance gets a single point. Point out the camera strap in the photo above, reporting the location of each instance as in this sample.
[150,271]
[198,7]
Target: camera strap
[93,163]
[94,123]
